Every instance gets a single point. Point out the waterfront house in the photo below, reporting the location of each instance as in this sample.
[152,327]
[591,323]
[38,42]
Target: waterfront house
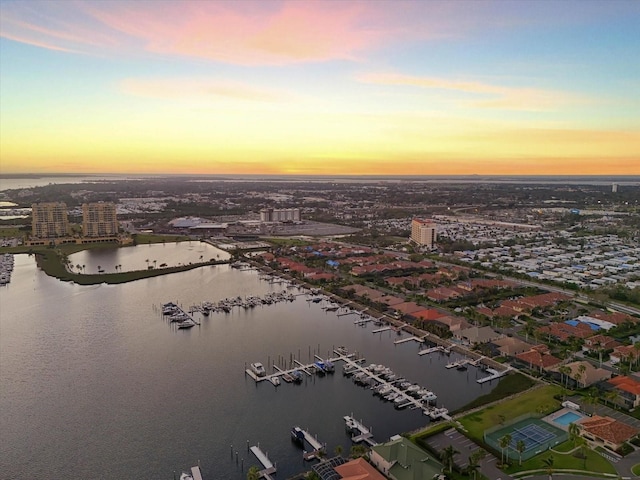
[399,459]
[628,390]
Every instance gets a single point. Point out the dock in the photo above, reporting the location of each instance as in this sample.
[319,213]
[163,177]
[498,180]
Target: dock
[195,473]
[408,339]
[429,350]
[363,434]
[493,375]
[459,363]
[269,468]
[316,447]
[379,330]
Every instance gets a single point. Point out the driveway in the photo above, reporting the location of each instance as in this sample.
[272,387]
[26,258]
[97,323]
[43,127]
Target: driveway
[466,447]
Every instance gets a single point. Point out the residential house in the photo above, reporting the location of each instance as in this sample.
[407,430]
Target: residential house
[611,433]
[473,335]
[628,389]
[539,358]
[358,469]
[400,459]
[581,374]
[624,353]
[510,346]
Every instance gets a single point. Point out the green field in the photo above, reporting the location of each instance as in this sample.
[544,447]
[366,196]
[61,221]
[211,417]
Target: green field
[509,385]
[593,463]
[539,400]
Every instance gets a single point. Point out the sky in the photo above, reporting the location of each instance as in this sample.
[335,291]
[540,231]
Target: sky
[320,87]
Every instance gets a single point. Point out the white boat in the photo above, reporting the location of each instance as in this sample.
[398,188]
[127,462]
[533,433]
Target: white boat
[187,324]
[275,380]
[258,369]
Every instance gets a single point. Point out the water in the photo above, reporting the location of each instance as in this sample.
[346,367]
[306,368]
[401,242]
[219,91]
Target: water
[567,418]
[95,384]
[143,256]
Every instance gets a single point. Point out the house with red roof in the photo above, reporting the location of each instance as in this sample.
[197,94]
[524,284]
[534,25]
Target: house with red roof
[628,389]
[358,469]
[624,353]
[538,357]
[605,430]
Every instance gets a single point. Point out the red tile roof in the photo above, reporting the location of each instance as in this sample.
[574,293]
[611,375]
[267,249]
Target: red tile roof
[626,384]
[536,357]
[358,469]
[608,429]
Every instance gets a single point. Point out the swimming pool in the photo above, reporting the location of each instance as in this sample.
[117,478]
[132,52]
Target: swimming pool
[567,418]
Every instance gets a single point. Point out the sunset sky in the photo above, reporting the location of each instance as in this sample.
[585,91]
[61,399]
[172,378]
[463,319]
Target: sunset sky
[328,87]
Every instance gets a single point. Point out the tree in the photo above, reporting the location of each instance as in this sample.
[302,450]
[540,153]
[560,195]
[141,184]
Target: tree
[574,432]
[338,450]
[253,473]
[564,372]
[520,447]
[582,368]
[473,466]
[447,456]
[504,445]
[548,465]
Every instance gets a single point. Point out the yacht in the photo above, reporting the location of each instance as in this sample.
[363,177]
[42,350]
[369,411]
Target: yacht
[188,323]
[258,369]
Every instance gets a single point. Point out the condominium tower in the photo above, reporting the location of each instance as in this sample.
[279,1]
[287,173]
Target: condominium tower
[423,232]
[99,220]
[49,220]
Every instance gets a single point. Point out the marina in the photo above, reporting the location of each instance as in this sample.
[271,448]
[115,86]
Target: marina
[162,366]
[379,378]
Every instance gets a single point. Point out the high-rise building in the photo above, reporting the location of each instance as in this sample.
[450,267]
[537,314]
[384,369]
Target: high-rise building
[423,232]
[614,188]
[49,220]
[99,220]
[280,215]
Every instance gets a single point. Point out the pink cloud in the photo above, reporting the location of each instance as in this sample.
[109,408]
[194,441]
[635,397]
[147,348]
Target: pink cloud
[246,32]
[269,33]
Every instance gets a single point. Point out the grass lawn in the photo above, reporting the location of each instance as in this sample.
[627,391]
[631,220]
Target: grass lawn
[11,232]
[636,469]
[514,383]
[564,447]
[539,400]
[594,463]
[288,242]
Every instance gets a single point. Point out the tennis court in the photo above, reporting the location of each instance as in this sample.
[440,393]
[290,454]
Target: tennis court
[536,435]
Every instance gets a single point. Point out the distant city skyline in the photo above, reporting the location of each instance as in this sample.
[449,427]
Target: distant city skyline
[320,88]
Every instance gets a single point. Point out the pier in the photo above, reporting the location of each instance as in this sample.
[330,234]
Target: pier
[269,468]
[408,339]
[429,350]
[493,375]
[379,330]
[195,473]
[363,434]
[317,448]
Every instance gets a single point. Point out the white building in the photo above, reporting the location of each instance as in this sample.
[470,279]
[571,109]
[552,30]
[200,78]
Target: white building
[280,215]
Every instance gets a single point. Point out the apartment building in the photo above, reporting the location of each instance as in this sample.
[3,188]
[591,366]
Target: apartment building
[423,232]
[99,220]
[49,220]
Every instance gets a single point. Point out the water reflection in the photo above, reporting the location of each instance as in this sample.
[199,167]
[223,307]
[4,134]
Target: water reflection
[142,257]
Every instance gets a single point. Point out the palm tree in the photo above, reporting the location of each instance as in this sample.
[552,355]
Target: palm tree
[447,456]
[338,450]
[521,447]
[548,465]
[611,395]
[582,368]
[253,473]
[155,262]
[504,445]
[574,432]
[473,466]
[83,268]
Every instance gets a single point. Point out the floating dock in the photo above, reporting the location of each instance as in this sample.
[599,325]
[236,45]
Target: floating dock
[363,434]
[429,350]
[269,468]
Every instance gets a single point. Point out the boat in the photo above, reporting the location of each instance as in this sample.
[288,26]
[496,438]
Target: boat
[297,435]
[186,476]
[187,324]
[297,376]
[258,369]
[329,367]
[275,380]
[350,424]
[413,389]
[462,367]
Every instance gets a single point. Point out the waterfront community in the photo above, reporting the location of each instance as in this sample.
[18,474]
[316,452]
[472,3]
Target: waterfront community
[535,319]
